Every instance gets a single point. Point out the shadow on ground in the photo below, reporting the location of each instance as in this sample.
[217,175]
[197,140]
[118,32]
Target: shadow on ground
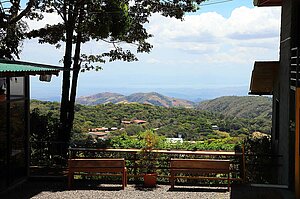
[250,192]
[140,187]
[209,189]
[30,189]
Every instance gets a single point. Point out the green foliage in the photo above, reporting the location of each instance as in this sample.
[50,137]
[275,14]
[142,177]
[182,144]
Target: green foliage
[134,129]
[43,126]
[150,140]
[43,136]
[11,40]
[109,21]
[148,160]
[192,124]
[13,27]
[256,110]
[245,107]
[259,160]
[124,141]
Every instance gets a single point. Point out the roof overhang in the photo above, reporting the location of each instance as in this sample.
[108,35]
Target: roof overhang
[10,68]
[264,3]
[263,77]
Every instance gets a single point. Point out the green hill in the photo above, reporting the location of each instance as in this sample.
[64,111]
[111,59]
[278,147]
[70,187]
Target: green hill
[101,98]
[252,107]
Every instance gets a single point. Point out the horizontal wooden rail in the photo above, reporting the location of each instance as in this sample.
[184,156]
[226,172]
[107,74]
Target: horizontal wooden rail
[216,153]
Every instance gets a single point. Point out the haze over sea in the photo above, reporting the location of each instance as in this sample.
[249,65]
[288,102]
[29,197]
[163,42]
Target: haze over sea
[209,54]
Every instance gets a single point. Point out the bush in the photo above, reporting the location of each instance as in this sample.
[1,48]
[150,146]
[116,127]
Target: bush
[259,162]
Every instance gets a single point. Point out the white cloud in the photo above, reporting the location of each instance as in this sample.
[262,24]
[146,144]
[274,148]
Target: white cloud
[203,49]
[49,18]
[236,39]
[256,23]
[196,28]
[211,36]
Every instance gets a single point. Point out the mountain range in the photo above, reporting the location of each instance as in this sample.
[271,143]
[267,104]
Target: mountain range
[152,98]
[237,106]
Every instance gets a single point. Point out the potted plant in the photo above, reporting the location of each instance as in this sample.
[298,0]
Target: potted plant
[148,160]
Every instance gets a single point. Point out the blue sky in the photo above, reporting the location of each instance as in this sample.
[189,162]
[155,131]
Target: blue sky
[224,7]
[213,48]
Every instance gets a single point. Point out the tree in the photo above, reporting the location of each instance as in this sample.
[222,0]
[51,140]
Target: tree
[12,27]
[110,21]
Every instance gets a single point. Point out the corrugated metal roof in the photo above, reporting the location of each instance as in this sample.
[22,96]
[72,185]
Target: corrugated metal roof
[4,67]
[16,68]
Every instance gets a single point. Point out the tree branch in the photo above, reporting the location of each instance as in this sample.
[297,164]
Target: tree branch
[65,11]
[110,42]
[63,16]
[117,42]
[23,13]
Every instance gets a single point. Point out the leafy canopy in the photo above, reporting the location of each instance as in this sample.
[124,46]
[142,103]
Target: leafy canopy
[112,21]
[12,26]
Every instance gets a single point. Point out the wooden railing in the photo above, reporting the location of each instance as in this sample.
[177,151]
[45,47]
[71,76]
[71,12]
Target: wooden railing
[132,157]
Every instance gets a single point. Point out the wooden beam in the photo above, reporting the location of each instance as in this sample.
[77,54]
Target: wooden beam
[265,3]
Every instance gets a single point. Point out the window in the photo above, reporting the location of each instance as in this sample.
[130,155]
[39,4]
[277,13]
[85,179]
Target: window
[17,87]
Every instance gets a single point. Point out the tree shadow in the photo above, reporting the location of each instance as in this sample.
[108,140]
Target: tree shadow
[200,189]
[141,187]
[96,185]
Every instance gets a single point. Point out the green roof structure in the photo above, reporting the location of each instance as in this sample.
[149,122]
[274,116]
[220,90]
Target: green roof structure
[17,68]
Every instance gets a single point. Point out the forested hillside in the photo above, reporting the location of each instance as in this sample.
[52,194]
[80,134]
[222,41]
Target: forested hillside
[253,107]
[193,124]
[142,98]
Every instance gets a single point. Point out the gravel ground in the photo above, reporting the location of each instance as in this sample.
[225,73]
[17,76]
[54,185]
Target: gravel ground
[161,192]
[88,190]
[37,190]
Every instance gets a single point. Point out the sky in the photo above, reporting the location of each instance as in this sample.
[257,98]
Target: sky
[214,48]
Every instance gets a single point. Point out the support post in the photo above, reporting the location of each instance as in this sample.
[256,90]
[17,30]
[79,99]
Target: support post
[297,144]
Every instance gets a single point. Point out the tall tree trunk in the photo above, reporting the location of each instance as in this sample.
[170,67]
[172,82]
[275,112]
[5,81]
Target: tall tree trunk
[73,92]
[76,70]
[65,130]
[64,107]
[69,90]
